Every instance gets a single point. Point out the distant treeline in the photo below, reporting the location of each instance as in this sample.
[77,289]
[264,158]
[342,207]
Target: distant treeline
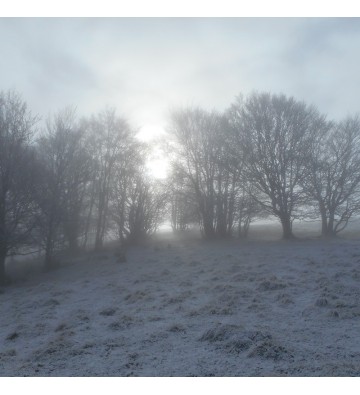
[69,185]
[267,154]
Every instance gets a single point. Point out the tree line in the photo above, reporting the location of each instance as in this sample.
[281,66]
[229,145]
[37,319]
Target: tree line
[73,182]
[267,154]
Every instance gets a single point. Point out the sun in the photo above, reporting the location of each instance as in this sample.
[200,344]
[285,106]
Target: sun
[158,168]
[150,132]
[157,164]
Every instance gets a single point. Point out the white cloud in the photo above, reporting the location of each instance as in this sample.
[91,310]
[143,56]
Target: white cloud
[146,66]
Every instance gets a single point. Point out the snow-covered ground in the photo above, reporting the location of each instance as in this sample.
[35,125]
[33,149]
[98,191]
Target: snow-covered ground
[185,307]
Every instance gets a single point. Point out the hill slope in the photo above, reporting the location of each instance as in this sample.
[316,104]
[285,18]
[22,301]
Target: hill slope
[190,308]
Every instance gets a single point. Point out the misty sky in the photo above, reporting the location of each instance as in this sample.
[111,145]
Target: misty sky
[146,66]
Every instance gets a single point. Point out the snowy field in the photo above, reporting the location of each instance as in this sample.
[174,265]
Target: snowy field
[185,307]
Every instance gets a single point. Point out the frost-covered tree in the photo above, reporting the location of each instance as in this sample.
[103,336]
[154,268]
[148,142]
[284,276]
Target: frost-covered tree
[273,135]
[333,174]
[200,142]
[17,176]
[65,171]
[109,139]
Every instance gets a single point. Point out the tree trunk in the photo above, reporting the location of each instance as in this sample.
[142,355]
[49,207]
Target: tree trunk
[324,226]
[98,240]
[101,225]
[287,227]
[88,218]
[99,231]
[49,249]
[72,233]
[71,230]
[327,224]
[3,278]
[243,227]
[209,232]
[3,244]
[328,228]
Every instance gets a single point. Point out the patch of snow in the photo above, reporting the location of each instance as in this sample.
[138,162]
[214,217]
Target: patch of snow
[186,307]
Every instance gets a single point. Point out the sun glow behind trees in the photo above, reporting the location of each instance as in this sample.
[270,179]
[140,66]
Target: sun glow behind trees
[215,169]
[157,164]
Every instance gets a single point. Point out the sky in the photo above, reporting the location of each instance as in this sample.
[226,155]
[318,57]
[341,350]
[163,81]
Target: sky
[147,66]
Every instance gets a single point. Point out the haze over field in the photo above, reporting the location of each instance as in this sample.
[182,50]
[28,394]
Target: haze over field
[179,197]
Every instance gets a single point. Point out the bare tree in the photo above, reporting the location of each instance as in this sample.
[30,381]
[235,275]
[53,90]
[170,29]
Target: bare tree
[125,174]
[182,203]
[137,202]
[273,134]
[146,208]
[17,176]
[247,208]
[109,137]
[64,173]
[201,157]
[333,178]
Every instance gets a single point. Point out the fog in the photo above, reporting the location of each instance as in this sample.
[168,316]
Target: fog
[176,194]
[146,66]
